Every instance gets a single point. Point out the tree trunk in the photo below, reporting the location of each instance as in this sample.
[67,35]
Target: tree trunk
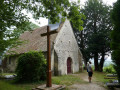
[96,62]
[95,54]
[85,63]
[102,62]
[82,46]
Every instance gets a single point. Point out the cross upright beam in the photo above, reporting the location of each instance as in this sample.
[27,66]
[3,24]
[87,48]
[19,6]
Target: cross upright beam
[49,82]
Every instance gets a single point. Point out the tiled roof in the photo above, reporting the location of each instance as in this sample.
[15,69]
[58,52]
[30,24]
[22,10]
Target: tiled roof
[33,41]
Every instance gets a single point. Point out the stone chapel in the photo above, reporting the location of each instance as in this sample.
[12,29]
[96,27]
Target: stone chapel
[66,56]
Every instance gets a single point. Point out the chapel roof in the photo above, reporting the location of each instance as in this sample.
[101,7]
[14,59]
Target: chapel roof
[33,41]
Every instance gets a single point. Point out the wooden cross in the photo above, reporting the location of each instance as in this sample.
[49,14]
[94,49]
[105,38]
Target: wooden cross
[48,84]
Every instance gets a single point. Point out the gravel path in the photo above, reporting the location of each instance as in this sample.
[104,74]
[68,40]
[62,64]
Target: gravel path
[91,86]
[88,86]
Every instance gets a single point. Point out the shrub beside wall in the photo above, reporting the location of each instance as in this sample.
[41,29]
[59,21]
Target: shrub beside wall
[31,67]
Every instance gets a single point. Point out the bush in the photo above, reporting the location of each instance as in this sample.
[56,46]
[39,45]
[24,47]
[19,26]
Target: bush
[109,69]
[31,67]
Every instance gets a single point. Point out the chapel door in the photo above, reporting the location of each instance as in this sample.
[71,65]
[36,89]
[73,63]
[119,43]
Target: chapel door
[69,65]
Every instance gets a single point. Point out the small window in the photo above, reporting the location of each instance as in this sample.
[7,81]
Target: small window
[10,60]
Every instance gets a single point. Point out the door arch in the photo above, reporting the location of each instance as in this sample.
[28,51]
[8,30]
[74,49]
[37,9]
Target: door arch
[69,65]
[55,63]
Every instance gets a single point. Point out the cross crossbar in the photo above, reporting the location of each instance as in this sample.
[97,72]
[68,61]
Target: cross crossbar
[51,32]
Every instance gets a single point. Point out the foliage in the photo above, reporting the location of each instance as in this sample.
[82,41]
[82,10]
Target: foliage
[94,40]
[31,67]
[109,69]
[11,16]
[76,17]
[28,26]
[11,11]
[115,36]
[9,38]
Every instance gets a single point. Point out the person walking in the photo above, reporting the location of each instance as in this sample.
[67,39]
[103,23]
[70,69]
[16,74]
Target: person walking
[90,71]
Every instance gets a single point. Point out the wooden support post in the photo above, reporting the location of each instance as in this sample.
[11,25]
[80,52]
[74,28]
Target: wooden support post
[48,59]
[49,81]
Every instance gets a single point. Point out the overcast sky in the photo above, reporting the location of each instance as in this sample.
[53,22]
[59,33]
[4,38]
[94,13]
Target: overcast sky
[110,2]
[44,21]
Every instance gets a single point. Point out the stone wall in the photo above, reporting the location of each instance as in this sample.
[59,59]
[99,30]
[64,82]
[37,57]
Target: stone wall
[11,64]
[66,46]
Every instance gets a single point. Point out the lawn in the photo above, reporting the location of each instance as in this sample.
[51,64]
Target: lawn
[67,80]
[9,85]
[60,80]
[100,77]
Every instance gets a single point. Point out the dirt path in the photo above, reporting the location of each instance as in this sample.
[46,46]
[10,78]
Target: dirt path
[91,86]
[87,86]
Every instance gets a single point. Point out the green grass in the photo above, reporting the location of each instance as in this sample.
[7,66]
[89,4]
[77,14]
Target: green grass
[8,74]
[66,80]
[100,77]
[9,85]
[60,80]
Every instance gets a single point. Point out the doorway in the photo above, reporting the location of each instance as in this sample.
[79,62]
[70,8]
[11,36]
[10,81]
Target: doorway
[69,65]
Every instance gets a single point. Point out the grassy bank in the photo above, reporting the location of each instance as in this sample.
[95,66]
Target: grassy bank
[99,77]
[67,80]
[60,80]
[9,85]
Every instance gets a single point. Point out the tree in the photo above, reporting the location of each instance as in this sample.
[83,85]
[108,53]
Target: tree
[115,36]
[10,37]
[81,40]
[11,14]
[11,11]
[76,17]
[95,39]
